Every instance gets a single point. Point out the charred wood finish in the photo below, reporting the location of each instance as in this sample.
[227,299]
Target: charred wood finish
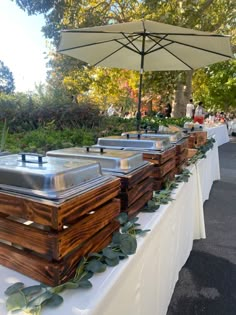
[132,180]
[181,146]
[49,272]
[160,158]
[139,204]
[54,214]
[162,170]
[158,184]
[132,195]
[56,245]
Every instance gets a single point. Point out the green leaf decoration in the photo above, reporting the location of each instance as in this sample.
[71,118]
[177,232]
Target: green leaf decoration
[122,217]
[126,227]
[16,301]
[32,290]
[85,284]
[54,301]
[128,244]
[39,300]
[116,238]
[109,253]
[14,288]
[71,285]
[133,220]
[112,262]
[95,255]
[141,232]
[95,266]
[87,275]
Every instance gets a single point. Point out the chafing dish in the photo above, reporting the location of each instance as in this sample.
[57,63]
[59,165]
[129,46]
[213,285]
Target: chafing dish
[173,136]
[138,144]
[111,161]
[47,177]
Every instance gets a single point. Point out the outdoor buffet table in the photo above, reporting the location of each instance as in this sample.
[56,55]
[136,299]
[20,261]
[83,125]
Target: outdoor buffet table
[143,283]
[220,133]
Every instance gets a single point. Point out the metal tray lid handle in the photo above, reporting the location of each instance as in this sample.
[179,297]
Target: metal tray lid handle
[39,157]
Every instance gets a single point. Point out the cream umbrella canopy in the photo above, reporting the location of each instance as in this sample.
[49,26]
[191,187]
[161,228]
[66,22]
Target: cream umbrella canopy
[145,46]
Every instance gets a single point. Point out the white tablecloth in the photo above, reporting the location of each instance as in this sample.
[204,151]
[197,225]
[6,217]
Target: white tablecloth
[220,133]
[208,171]
[143,283]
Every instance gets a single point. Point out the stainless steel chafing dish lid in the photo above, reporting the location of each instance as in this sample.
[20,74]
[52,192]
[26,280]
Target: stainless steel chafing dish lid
[47,177]
[151,143]
[173,136]
[113,161]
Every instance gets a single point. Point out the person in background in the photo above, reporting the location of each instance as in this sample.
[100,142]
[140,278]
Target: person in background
[111,110]
[168,110]
[190,109]
[199,114]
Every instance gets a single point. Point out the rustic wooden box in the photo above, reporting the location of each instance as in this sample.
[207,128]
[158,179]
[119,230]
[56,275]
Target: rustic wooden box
[181,146]
[49,247]
[191,153]
[136,189]
[162,170]
[181,157]
[159,184]
[197,139]
[160,158]
[131,197]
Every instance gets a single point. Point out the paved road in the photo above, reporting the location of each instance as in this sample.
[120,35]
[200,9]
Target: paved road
[207,282]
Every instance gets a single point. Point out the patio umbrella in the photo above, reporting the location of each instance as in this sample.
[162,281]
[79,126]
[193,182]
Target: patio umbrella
[145,46]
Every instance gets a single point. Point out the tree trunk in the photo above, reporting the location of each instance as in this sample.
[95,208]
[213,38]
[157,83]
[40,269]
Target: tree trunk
[182,95]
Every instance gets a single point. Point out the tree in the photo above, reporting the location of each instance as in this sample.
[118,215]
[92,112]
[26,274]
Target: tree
[206,15]
[6,79]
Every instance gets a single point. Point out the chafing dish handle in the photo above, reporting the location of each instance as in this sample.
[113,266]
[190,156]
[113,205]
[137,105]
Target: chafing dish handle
[101,149]
[138,136]
[39,156]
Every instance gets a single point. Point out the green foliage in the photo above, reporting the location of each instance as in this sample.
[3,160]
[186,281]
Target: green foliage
[215,86]
[4,133]
[7,85]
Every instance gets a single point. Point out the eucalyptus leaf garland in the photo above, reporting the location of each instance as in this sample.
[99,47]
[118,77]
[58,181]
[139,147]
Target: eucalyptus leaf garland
[32,299]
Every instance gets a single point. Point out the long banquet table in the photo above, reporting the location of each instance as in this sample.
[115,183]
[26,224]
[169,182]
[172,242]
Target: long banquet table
[143,283]
[220,133]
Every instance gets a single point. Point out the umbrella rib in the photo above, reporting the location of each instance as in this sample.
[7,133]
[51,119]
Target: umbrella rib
[156,43]
[195,47]
[122,46]
[131,42]
[90,44]
[97,63]
[164,47]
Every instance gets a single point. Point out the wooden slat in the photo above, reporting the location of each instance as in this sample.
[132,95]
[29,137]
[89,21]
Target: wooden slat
[181,146]
[139,204]
[158,184]
[76,234]
[134,178]
[160,158]
[127,199]
[162,170]
[53,214]
[53,273]
[56,245]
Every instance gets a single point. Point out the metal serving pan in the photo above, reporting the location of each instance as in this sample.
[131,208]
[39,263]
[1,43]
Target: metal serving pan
[50,178]
[124,142]
[113,161]
[173,136]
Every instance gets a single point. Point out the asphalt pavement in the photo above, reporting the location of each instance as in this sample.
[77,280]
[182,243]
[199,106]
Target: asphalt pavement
[207,282]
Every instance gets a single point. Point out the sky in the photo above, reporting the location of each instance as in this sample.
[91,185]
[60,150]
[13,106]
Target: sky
[22,46]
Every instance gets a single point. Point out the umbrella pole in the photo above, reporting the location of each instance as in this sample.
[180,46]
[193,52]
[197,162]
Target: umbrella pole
[139,99]
[140,84]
